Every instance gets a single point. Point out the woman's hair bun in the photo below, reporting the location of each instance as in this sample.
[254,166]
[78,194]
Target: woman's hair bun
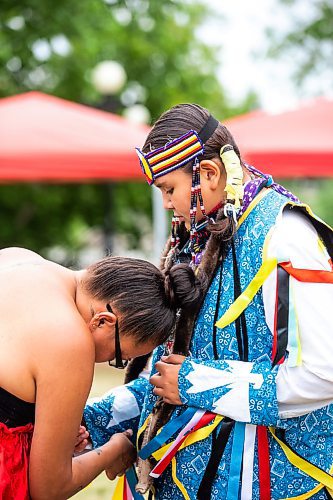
[182,287]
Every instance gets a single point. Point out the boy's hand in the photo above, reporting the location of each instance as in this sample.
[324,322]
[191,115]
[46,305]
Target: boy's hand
[166,380]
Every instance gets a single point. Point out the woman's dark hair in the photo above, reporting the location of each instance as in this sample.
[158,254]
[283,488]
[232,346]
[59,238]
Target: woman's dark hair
[145,298]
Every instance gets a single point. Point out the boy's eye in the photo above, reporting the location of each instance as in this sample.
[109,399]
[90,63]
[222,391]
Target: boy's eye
[169,191]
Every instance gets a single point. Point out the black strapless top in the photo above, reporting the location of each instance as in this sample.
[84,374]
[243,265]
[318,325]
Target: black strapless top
[15,412]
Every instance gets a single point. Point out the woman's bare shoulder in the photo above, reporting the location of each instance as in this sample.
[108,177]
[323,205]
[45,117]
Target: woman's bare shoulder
[38,298]
[59,335]
[33,276]
[19,251]
[16,256]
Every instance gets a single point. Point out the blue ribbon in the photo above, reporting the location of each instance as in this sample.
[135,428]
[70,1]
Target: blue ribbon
[236,461]
[167,431]
[269,181]
[132,482]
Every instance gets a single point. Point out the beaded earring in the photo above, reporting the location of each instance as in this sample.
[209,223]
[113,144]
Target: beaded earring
[195,196]
[174,231]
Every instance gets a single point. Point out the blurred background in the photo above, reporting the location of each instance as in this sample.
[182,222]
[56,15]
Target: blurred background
[137,58]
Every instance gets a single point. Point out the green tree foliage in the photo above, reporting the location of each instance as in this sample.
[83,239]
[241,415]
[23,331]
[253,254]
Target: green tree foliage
[53,47]
[309,43]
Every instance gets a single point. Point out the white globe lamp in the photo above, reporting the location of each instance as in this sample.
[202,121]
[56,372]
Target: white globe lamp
[108,77]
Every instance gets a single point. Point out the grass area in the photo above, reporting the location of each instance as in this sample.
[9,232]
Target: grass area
[105,378]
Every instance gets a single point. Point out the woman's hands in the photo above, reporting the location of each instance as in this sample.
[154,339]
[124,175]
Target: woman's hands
[166,380]
[82,440]
[124,457]
[122,452]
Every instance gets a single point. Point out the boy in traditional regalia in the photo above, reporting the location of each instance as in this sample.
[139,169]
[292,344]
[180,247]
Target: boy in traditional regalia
[242,405]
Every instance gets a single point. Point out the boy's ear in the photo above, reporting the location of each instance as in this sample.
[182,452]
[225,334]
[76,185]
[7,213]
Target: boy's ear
[210,171]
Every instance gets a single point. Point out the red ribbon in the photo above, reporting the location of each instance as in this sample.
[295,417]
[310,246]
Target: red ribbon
[308,275]
[263,463]
[274,347]
[164,462]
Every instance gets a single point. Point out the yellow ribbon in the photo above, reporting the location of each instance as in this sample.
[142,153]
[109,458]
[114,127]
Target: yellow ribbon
[176,480]
[119,490]
[311,470]
[306,495]
[308,209]
[142,429]
[246,297]
[253,204]
[192,438]
[266,268]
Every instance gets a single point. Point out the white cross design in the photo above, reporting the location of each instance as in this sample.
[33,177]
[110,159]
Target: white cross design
[237,378]
[124,406]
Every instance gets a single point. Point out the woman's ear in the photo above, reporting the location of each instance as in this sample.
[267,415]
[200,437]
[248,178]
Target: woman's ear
[210,173]
[101,318]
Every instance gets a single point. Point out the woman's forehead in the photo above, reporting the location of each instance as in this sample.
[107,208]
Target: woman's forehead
[172,177]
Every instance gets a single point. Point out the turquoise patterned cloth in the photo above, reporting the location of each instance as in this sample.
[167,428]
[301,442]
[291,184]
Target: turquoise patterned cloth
[102,417]
[256,402]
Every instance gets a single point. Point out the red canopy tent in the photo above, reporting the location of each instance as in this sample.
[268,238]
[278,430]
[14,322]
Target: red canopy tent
[297,143]
[44,138]
[47,139]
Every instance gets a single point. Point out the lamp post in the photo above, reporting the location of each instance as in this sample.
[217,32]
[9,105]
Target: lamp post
[108,78]
[138,113]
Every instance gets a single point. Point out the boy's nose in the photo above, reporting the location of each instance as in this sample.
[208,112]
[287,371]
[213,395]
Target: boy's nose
[167,204]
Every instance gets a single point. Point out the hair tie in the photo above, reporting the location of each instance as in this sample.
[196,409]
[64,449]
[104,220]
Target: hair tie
[234,185]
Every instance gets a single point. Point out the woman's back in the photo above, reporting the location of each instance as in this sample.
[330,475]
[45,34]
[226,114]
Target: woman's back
[28,284]
[55,323]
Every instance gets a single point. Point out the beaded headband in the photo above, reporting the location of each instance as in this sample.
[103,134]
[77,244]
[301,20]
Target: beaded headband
[175,153]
